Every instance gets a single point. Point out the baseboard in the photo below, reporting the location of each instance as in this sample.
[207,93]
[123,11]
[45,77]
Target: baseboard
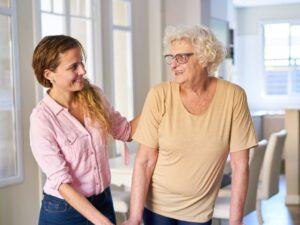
[292,200]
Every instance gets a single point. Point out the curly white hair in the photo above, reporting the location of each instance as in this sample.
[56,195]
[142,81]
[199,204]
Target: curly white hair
[206,46]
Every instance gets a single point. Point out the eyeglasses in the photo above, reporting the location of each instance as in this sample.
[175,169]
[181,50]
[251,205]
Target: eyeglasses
[180,58]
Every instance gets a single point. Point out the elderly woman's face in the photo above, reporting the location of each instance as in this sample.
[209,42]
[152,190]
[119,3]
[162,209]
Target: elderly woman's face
[183,62]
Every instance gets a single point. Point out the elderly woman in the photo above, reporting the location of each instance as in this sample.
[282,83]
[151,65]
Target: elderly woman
[187,129]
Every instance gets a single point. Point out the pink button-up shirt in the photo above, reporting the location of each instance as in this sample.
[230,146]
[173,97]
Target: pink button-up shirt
[69,152]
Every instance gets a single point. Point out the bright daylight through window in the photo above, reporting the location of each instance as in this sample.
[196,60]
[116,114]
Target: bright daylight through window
[282,59]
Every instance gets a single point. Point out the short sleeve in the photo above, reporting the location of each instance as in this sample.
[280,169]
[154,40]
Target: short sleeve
[47,152]
[242,129]
[148,128]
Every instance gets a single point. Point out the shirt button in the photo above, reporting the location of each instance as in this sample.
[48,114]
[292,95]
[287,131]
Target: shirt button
[95,168]
[92,153]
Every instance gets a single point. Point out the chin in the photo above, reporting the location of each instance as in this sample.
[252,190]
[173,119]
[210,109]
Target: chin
[178,80]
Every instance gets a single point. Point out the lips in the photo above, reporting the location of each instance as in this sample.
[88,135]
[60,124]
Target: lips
[178,72]
[79,80]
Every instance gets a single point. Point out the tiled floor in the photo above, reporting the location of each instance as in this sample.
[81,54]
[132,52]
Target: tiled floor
[274,211]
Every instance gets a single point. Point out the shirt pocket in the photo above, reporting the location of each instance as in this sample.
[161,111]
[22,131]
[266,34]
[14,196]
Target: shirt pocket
[74,146]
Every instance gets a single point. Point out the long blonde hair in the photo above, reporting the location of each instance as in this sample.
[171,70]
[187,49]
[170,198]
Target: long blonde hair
[47,56]
[92,105]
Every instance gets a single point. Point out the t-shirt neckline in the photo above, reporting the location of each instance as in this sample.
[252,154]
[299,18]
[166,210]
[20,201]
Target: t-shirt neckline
[208,107]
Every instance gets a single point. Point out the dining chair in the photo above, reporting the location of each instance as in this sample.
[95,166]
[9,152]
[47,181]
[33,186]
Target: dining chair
[222,204]
[270,174]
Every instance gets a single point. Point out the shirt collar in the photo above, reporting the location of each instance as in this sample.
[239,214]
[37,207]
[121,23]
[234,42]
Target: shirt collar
[52,104]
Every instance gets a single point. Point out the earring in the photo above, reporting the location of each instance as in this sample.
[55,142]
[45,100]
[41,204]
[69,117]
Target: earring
[52,81]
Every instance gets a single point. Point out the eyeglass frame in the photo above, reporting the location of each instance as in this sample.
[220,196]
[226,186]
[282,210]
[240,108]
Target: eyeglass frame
[185,57]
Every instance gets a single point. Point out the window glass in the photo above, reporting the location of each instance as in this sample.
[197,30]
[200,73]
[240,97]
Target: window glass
[52,24]
[123,72]
[46,5]
[79,29]
[276,41]
[295,42]
[8,165]
[121,13]
[80,8]
[58,6]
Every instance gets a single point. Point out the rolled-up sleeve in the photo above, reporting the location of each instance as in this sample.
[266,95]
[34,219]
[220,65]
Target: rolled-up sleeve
[47,152]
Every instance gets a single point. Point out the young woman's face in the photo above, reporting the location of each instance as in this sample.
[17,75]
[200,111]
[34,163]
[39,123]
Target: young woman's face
[68,76]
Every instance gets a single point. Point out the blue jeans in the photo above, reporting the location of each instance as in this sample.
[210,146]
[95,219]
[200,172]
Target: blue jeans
[56,211]
[151,218]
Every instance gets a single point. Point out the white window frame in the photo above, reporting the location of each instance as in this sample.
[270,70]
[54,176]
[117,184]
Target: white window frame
[130,72]
[116,149]
[18,178]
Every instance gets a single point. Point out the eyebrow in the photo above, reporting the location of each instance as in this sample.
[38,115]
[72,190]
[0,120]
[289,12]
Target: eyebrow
[73,64]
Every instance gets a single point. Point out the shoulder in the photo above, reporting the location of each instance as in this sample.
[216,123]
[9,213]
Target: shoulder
[41,114]
[39,110]
[227,86]
[163,89]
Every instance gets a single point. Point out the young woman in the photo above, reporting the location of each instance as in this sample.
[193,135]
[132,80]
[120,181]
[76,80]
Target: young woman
[68,136]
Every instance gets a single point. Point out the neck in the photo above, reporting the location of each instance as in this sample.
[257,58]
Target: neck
[64,99]
[198,87]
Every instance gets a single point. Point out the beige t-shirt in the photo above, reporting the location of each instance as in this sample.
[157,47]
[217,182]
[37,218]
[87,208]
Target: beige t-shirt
[192,148]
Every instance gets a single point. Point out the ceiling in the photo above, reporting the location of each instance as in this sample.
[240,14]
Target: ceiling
[250,3]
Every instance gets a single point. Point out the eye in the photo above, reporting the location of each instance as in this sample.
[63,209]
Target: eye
[180,58]
[74,67]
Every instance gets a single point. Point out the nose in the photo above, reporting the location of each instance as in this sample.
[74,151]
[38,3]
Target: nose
[81,69]
[174,63]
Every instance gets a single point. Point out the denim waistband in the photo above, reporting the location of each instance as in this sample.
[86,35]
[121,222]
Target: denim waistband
[101,195]
[91,198]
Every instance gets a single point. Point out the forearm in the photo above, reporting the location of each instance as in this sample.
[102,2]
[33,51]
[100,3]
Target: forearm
[82,205]
[240,175]
[143,170]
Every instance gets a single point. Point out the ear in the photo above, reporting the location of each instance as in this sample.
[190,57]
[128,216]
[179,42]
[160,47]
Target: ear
[48,74]
[203,64]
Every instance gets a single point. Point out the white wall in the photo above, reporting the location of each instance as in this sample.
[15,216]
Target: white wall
[182,12]
[249,54]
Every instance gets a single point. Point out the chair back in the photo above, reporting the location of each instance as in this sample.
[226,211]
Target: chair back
[269,179]
[255,164]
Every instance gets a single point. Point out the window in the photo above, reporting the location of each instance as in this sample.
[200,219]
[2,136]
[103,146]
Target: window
[122,58]
[74,18]
[10,130]
[282,59]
